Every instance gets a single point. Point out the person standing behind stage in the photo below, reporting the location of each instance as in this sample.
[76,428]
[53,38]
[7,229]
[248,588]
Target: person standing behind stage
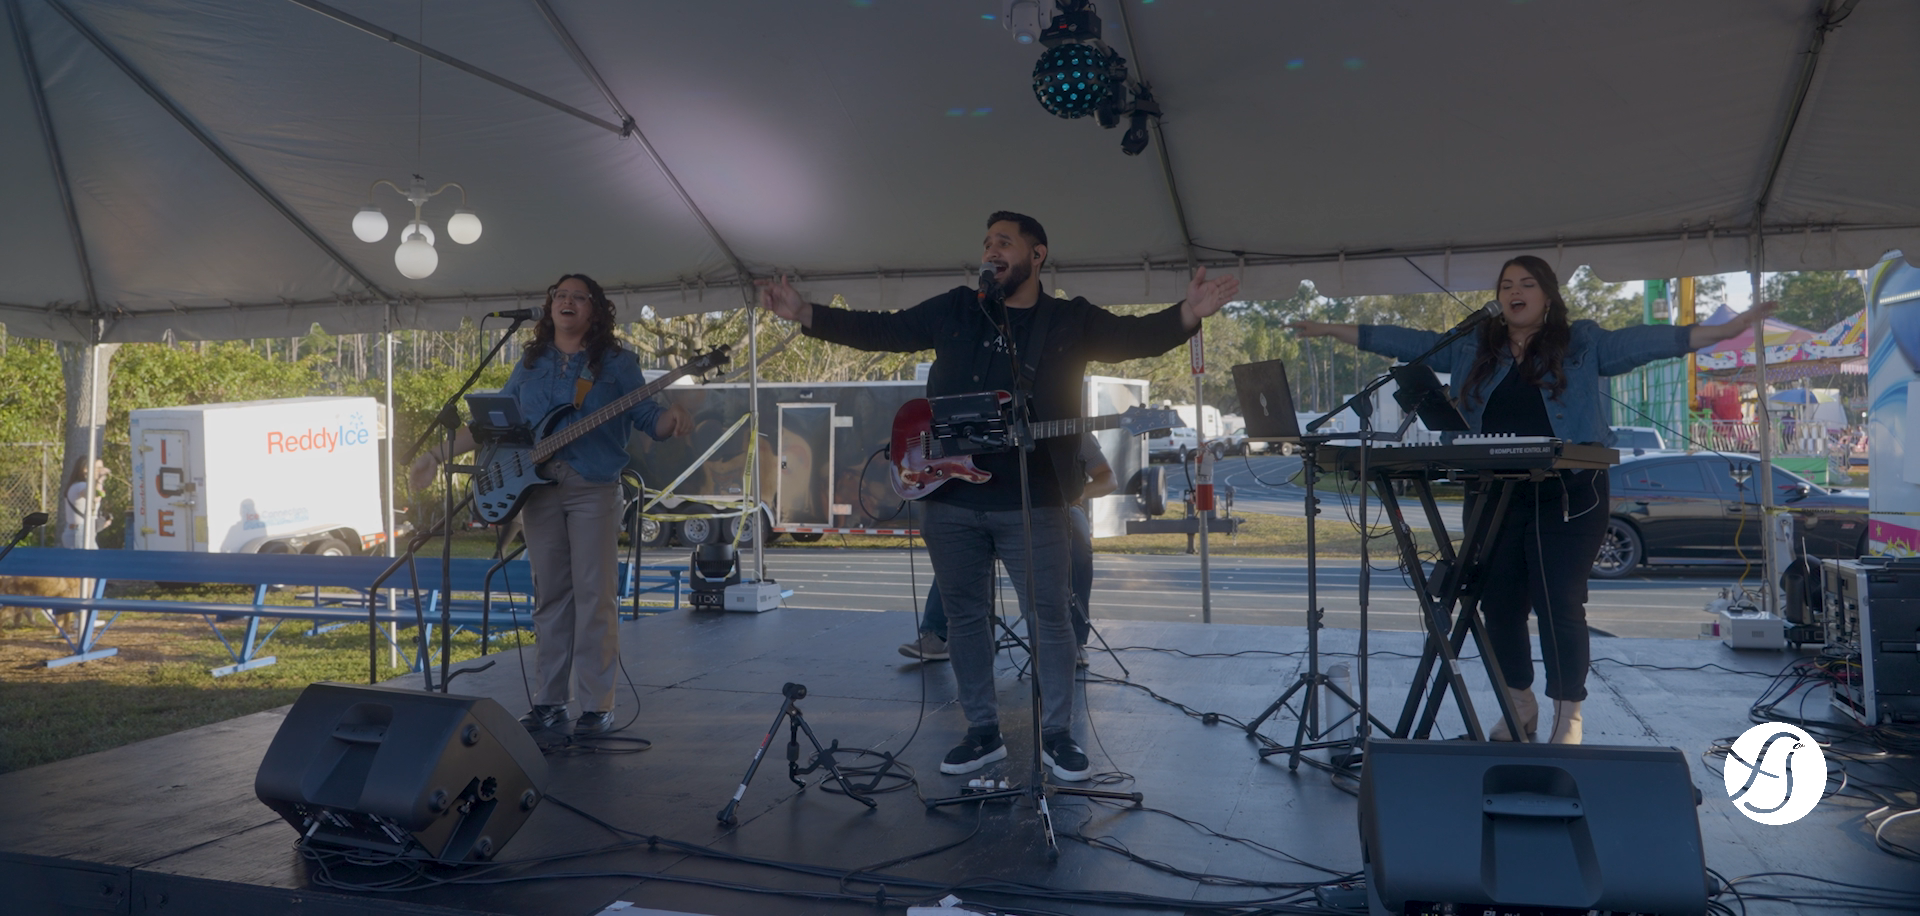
[573,525]
[1532,372]
[967,525]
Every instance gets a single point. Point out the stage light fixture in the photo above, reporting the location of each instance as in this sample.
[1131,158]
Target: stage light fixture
[1022,18]
[1078,75]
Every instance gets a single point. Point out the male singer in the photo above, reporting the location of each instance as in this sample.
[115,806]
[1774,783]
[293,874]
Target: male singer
[976,337]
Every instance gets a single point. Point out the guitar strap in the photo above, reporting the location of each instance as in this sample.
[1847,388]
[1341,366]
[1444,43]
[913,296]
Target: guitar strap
[583,384]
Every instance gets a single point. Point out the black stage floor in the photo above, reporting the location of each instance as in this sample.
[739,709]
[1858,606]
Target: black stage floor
[171,825]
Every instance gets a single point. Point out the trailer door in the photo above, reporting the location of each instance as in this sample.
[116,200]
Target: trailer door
[804,494]
[168,524]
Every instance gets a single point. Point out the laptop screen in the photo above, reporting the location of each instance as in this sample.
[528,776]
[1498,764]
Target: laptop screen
[1266,401]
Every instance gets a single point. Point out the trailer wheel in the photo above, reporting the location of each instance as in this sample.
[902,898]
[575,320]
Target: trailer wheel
[654,534]
[807,537]
[275,547]
[754,528]
[330,547]
[1153,491]
[696,531]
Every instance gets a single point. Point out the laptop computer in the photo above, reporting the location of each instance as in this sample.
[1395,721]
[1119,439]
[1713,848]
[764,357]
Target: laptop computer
[1266,401]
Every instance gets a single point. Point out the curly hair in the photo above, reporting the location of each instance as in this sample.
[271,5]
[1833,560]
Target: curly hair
[599,339]
[1541,364]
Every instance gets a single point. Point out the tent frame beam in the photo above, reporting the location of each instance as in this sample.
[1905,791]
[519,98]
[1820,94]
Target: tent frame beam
[345,18]
[179,115]
[1832,13]
[44,117]
[631,130]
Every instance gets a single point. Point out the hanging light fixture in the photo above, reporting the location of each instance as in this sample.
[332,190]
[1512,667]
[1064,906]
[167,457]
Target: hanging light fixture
[416,257]
[1078,75]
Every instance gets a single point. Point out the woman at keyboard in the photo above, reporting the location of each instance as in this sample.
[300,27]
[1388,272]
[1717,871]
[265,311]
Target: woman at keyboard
[1531,371]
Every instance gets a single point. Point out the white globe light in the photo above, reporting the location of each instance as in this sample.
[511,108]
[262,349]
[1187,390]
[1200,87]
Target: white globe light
[416,258]
[419,226]
[370,225]
[463,227]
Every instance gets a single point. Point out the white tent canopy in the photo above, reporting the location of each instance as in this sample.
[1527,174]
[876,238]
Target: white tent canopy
[191,167]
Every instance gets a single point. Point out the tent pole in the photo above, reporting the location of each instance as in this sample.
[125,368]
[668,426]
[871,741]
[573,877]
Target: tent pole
[1765,472]
[753,443]
[93,437]
[386,349]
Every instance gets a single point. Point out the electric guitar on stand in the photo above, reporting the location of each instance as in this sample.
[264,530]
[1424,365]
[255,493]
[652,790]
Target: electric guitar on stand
[934,439]
[511,463]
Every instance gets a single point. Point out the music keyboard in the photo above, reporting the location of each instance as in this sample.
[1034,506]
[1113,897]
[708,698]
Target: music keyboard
[1432,461]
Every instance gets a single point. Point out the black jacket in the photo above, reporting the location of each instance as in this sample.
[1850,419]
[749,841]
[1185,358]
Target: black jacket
[956,328]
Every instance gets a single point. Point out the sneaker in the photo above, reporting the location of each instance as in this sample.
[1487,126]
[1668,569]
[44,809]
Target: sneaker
[592,723]
[1066,758]
[544,718]
[1080,657]
[975,752]
[928,648]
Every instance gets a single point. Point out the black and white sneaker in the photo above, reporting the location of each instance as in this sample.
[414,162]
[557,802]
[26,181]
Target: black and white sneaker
[974,752]
[1066,758]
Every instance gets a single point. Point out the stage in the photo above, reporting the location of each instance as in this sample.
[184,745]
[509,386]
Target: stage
[171,825]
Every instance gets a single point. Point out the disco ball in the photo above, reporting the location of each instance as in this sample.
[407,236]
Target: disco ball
[1074,80]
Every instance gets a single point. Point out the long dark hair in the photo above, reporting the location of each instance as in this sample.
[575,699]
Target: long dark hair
[1540,364]
[599,340]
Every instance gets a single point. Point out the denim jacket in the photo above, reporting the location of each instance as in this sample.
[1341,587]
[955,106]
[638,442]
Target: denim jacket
[1579,414]
[599,455]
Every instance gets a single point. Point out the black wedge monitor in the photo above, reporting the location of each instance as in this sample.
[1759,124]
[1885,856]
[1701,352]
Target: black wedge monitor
[1266,401]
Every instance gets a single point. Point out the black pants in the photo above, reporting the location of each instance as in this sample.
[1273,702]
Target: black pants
[1542,553]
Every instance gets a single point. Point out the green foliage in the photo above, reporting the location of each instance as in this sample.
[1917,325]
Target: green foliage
[1814,299]
[1609,304]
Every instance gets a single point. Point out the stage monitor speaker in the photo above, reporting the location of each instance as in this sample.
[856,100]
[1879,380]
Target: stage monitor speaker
[1453,826]
[402,772]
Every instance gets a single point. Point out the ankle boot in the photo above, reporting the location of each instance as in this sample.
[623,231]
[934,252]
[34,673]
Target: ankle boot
[1526,709]
[1566,722]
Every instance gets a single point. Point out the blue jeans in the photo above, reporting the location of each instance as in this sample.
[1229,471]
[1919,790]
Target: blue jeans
[934,619]
[963,544]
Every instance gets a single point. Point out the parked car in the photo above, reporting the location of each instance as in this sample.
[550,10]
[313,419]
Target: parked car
[1693,510]
[1642,440]
[1180,442]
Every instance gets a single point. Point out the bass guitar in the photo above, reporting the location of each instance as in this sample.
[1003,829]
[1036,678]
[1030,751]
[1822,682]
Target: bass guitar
[926,452]
[511,466]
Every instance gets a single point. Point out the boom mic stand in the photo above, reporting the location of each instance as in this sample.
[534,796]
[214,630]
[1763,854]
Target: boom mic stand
[28,524]
[447,419]
[1019,434]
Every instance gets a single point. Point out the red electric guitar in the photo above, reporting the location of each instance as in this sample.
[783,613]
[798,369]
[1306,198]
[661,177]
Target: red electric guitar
[922,460]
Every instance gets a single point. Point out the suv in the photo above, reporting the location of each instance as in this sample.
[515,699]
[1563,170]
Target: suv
[1637,441]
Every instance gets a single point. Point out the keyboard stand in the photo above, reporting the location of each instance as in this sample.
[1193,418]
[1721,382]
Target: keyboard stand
[1451,583]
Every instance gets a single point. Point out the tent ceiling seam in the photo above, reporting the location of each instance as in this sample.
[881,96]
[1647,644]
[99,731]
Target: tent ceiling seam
[631,129]
[1832,13]
[348,19]
[165,102]
[55,160]
[1160,147]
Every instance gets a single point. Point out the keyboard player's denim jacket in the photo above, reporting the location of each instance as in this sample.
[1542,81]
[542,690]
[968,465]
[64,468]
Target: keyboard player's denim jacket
[1580,413]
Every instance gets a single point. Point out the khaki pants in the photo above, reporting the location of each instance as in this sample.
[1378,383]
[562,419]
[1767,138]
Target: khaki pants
[571,529]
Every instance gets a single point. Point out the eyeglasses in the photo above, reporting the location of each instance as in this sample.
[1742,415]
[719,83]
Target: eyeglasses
[563,295]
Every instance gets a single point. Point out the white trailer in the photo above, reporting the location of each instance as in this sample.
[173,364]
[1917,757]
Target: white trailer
[299,475]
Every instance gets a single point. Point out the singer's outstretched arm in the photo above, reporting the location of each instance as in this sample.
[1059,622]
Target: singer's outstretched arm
[1348,334]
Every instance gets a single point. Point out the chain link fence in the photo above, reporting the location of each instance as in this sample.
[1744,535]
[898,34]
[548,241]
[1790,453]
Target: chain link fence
[29,482]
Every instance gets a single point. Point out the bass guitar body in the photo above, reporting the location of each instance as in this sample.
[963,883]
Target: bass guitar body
[508,473]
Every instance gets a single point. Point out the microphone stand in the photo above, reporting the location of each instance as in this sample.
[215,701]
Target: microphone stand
[1020,431]
[447,419]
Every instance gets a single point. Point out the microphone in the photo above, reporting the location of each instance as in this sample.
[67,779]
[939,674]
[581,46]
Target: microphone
[1486,312]
[989,287]
[526,314]
[33,520]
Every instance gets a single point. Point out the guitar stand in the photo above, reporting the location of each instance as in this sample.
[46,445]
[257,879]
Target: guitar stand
[791,695]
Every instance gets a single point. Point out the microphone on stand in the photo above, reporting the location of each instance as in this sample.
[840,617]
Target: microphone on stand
[1485,313]
[526,314]
[990,287]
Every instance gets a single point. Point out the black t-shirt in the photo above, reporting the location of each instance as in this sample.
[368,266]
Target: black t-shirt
[1516,407]
[1003,491]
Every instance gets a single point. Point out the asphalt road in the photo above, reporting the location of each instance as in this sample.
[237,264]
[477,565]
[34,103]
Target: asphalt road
[1252,590]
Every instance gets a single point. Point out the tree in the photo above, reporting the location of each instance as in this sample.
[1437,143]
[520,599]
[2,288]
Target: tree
[1590,297]
[1814,299]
